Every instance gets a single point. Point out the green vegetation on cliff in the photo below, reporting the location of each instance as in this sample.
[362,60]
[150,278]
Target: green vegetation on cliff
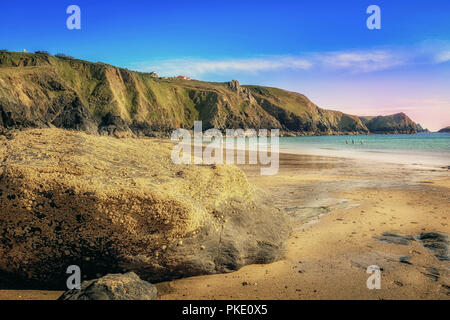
[40,90]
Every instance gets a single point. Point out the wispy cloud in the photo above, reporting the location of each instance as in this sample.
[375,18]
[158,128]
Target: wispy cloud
[443,57]
[360,61]
[350,61]
[202,66]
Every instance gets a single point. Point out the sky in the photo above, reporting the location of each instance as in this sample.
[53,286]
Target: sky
[322,49]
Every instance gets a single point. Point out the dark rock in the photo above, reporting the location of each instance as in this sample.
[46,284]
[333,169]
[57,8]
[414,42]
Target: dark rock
[144,129]
[433,274]
[446,289]
[114,126]
[398,283]
[69,113]
[393,238]
[126,286]
[437,242]
[405,260]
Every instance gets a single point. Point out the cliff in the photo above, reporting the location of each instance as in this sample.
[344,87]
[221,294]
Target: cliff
[40,90]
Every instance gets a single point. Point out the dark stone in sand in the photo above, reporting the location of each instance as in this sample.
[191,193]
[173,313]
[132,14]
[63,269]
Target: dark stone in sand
[446,289]
[405,260]
[395,239]
[433,274]
[398,283]
[126,286]
[437,242]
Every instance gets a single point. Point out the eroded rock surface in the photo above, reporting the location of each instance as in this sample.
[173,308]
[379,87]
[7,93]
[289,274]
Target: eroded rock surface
[113,287]
[116,205]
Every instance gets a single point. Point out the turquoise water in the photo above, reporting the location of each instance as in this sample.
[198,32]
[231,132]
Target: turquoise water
[421,142]
[426,149]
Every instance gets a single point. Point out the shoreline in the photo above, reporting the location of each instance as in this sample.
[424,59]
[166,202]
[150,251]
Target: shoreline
[425,160]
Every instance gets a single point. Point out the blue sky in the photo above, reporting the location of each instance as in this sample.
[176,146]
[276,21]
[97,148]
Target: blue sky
[320,48]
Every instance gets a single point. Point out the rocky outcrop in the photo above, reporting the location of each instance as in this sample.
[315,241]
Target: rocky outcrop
[113,287]
[438,243]
[420,129]
[114,126]
[445,130]
[117,205]
[234,85]
[396,123]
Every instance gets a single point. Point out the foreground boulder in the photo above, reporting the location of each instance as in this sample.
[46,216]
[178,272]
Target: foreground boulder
[113,287]
[117,205]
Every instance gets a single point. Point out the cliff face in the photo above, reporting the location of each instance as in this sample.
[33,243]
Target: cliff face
[445,130]
[396,123]
[39,90]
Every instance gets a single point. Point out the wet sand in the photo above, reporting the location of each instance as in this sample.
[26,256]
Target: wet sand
[339,208]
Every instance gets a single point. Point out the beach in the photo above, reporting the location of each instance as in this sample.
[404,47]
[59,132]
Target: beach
[341,211]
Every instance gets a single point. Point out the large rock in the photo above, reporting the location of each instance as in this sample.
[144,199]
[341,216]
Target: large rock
[113,287]
[114,126]
[116,205]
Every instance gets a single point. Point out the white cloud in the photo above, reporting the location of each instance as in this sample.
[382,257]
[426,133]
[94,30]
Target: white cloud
[361,61]
[198,66]
[350,61]
[443,57]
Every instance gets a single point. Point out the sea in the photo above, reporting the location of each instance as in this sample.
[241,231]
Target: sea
[415,149]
